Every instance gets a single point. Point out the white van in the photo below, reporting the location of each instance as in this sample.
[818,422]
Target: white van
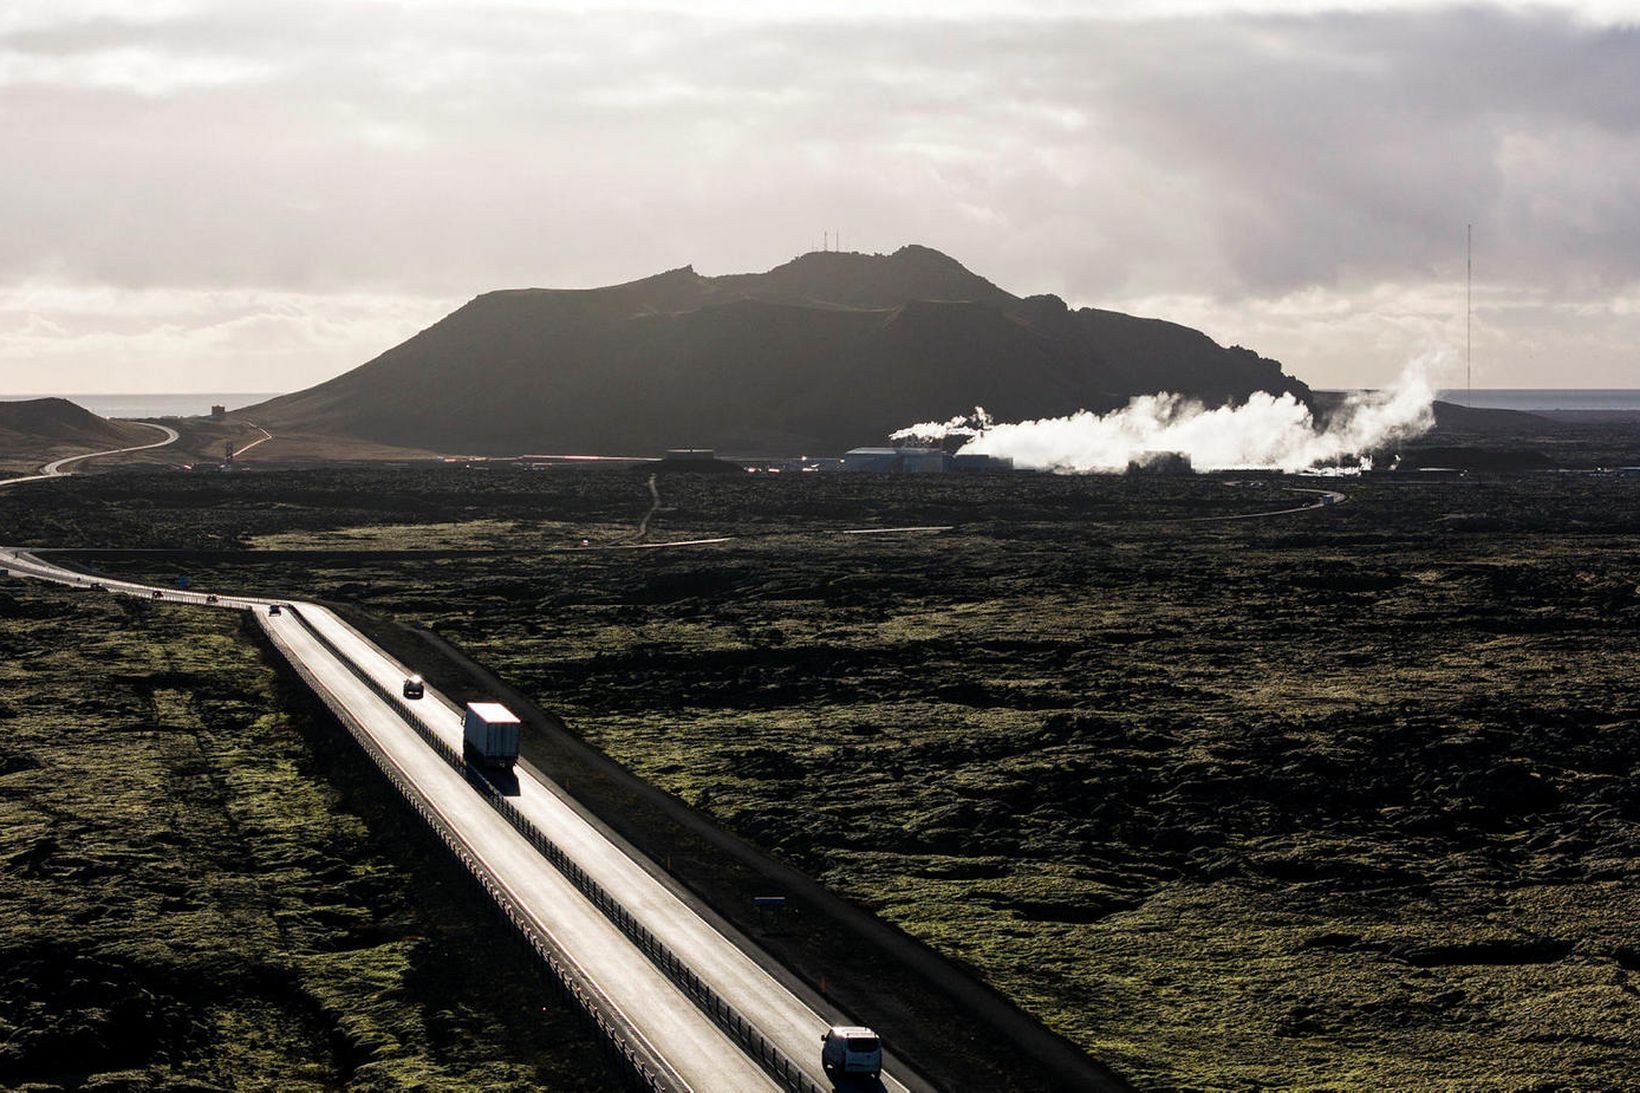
[850,1050]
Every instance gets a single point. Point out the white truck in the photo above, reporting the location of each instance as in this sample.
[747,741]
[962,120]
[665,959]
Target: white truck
[489,735]
[851,1051]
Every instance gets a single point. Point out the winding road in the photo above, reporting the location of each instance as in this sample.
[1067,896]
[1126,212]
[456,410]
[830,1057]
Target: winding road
[54,469]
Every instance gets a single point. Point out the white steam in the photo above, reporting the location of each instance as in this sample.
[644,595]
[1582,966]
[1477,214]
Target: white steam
[1265,432]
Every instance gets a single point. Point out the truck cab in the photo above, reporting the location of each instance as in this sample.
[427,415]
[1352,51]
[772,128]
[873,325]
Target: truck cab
[851,1051]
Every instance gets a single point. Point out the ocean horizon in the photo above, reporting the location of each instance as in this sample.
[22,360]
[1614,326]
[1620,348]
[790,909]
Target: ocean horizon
[183,404]
[1544,398]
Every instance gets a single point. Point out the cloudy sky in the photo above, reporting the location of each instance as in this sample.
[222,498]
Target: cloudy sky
[255,196]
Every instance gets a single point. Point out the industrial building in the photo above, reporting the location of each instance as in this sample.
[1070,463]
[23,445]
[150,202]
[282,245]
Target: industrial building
[897,460]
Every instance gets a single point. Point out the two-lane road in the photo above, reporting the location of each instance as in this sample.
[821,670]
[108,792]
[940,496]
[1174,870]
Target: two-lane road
[719,960]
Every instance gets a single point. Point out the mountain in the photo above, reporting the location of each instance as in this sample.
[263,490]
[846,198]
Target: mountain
[32,430]
[828,351]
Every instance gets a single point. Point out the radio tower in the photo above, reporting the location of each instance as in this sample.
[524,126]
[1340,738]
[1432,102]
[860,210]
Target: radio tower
[1468,310]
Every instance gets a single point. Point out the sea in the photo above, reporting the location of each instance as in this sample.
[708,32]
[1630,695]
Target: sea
[150,405]
[1538,399]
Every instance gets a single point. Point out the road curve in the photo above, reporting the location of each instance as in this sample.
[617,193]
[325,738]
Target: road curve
[54,469]
[1324,499]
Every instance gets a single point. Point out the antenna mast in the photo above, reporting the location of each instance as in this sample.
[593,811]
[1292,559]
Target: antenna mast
[1468,310]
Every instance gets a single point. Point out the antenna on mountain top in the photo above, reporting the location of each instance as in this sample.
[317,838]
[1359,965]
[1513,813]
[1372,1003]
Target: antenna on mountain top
[1468,310]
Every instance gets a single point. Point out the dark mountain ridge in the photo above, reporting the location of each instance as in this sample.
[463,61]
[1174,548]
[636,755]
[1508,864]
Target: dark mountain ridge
[44,422]
[825,352]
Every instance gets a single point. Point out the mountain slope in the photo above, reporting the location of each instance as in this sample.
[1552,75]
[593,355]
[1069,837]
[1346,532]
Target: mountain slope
[35,430]
[825,352]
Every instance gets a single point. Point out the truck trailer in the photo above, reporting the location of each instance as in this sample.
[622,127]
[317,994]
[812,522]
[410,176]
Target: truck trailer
[489,735]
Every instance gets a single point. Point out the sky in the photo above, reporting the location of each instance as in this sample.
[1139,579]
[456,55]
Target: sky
[256,196]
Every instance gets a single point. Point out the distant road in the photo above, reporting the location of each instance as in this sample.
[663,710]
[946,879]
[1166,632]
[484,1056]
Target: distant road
[1324,499]
[54,469]
[266,436]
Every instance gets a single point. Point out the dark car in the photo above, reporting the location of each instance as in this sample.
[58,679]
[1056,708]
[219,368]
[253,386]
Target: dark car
[413,687]
[211,598]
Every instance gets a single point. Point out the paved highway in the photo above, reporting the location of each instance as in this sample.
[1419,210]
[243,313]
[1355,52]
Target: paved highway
[698,1055]
[695,1053]
[783,1018]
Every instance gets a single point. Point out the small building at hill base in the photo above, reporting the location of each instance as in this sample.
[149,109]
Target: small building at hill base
[897,461]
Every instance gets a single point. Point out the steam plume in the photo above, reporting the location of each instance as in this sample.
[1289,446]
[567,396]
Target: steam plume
[1264,432]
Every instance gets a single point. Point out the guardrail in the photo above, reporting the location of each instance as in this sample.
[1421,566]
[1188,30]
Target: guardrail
[776,1062]
[640,1072]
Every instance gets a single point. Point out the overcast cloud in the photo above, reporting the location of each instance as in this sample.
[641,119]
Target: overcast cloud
[256,196]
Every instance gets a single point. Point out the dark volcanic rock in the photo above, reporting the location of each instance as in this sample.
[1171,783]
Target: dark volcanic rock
[824,353]
[1496,459]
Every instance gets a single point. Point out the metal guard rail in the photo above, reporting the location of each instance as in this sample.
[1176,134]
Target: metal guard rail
[778,1065]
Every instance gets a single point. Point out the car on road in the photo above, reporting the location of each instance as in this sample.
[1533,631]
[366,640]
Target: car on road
[851,1051]
[158,594]
[414,687]
[273,609]
[211,598]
